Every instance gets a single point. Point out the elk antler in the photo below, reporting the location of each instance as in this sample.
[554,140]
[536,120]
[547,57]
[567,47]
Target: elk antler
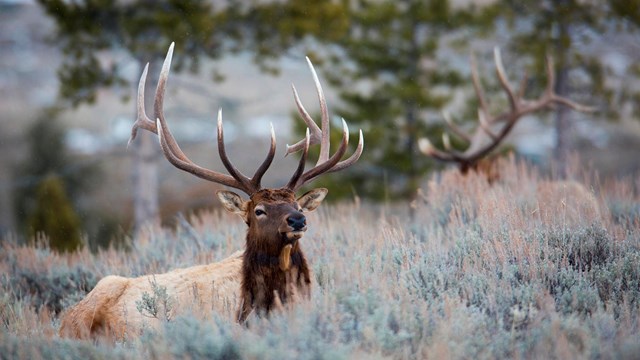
[236,179]
[174,154]
[316,135]
[518,108]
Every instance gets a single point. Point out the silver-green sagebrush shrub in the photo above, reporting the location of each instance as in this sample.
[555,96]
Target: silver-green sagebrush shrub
[499,284]
[156,305]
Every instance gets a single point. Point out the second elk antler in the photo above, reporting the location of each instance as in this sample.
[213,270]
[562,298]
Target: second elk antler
[518,107]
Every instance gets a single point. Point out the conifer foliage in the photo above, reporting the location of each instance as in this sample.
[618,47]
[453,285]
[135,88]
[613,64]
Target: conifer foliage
[54,217]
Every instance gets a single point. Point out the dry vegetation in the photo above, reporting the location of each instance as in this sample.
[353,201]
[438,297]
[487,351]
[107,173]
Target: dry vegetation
[523,268]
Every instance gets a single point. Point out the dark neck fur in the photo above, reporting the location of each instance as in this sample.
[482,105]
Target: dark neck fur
[262,279]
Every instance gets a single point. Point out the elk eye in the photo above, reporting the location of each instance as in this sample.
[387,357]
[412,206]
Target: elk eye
[260,212]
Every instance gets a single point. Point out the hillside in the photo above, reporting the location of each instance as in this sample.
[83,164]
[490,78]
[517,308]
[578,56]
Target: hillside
[526,267]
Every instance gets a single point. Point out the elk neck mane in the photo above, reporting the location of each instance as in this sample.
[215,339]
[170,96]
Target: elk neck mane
[264,282]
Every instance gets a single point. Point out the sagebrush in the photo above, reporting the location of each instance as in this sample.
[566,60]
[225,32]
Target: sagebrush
[526,267]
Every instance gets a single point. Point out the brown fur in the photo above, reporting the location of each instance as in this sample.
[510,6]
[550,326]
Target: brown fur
[264,284]
[488,167]
[245,281]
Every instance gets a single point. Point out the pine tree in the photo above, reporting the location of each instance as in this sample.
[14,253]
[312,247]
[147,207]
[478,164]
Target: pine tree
[54,216]
[387,69]
[136,31]
[562,29]
[48,156]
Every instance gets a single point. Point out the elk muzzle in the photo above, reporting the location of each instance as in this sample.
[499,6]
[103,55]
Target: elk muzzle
[294,227]
[297,222]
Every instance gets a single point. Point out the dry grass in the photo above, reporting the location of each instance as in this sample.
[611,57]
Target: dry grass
[526,267]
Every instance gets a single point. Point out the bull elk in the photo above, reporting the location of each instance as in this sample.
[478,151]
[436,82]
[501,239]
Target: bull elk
[272,269]
[478,148]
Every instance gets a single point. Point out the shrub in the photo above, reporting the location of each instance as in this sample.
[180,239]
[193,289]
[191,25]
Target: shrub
[583,248]
[157,305]
[54,216]
[488,279]
[55,289]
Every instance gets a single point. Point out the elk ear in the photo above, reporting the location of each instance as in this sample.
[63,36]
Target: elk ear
[312,199]
[233,202]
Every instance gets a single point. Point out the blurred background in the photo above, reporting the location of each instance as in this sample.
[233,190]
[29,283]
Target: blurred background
[69,74]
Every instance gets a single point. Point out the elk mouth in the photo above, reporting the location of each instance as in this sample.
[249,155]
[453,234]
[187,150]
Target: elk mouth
[293,235]
[290,234]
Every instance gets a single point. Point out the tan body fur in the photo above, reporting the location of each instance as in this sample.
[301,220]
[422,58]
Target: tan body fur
[110,308]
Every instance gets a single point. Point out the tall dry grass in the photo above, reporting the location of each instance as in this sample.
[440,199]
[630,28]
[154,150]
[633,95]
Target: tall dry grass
[527,267]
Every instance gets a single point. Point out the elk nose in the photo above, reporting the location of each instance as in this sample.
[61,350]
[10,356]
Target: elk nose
[297,222]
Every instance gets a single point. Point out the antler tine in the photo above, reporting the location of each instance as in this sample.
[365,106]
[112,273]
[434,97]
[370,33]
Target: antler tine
[292,184]
[427,148]
[477,85]
[331,162]
[142,120]
[523,85]
[158,105]
[245,181]
[257,176]
[318,135]
[315,132]
[190,167]
[485,126]
[324,116]
[551,81]
[572,104]
[456,130]
[353,158]
[504,81]
[446,141]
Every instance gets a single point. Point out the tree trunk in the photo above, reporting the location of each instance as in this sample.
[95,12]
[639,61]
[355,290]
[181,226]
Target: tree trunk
[145,178]
[562,124]
[563,131]
[411,117]
[411,152]
[145,163]
[6,203]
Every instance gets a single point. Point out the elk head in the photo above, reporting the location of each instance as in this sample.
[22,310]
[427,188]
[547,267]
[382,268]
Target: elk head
[275,217]
[479,147]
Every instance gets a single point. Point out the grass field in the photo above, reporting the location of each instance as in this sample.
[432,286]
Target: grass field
[526,267]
